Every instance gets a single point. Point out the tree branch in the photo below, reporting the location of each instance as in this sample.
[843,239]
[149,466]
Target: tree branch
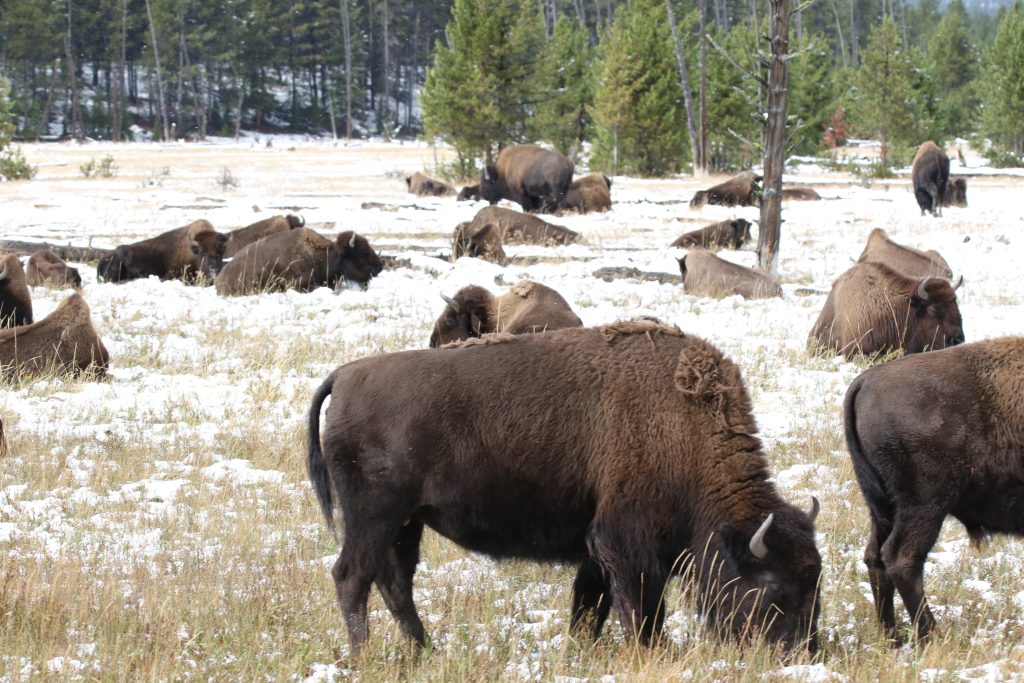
[732,61]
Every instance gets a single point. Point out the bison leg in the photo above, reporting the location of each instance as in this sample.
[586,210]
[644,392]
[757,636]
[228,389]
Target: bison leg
[353,575]
[591,599]
[904,554]
[882,587]
[394,581]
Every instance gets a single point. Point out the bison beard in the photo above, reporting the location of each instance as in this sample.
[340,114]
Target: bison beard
[658,468]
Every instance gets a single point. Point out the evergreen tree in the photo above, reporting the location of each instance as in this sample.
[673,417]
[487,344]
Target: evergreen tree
[562,116]
[812,92]
[954,67]
[734,123]
[1003,111]
[12,163]
[638,108]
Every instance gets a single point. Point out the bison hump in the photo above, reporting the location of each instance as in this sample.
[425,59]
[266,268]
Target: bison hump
[646,326]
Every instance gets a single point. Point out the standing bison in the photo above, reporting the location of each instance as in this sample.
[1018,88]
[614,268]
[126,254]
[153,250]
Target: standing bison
[705,274]
[516,227]
[628,450]
[743,189]
[45,268]
[63,342]
[733,234]
[194,252]
[592,192]
[422,186]
[15,299]
[535,178]
[243,237]
[930,173]
[903,259]
[931,436]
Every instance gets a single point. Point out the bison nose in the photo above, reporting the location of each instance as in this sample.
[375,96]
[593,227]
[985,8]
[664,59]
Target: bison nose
[957,339]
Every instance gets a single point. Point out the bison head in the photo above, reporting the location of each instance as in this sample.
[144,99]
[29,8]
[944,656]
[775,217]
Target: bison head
[466,315]
[934,321]
[491,185]
[353,259]
[484,243]
[208,246]
[700,198]
[740,232]
[116,266]
[295,221]
[469,192]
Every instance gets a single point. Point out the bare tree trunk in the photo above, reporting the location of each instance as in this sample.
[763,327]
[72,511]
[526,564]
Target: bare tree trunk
[580,12]
[853,33]
[117,124]
[384,121]
[159,73]
[347,38]
[684,80]
[238,105]
[839,33]
[51,88]
[703,27]
[775,138]
[330,114]
[77,130]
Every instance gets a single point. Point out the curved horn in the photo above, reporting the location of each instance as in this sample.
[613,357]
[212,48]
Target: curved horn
[352,242]
[921,293]
[812,514]
[757,547]
[452,302]
[958,283]
[3,273]
[487,174]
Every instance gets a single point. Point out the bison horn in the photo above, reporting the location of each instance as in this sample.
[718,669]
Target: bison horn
[3,273]
[958,283]
[921,293]
[352,242]
[757,547]
[812,514]
[451,302]
[487,174]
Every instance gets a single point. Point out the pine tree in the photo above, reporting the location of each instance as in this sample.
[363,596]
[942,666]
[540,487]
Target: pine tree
[734,134]
[954,66]
[812,92]
[562,116]
[1003,111]
[12,163]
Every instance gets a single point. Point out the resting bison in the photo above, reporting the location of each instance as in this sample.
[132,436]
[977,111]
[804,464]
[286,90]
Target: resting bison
[243,237]
[873,309]
[299,259]
[956,193]
[190,253]
[470,192]
[516,227]
[743,189]
[733,234]
[62,342]
[930,436]
[422,186]
[930,173]
[46,268]
[906,260]
[801,194]
[592,192]
[478,241]
[534,177]
[629,450]
[526,307]
[15,299]
[704,274]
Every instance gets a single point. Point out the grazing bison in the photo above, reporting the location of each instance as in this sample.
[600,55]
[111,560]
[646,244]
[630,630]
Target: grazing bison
[469,192]
[526,307]
[956,193]
[704,274]
[930,173]
[734,234]
[801,194]
[191,253]
[422,186]
[63,342]
[930,436]
[651,468]
[534,177]
[243,237]
[743,189]
[15,299]
[874,309]
[299,259]
[479,241]
[46,268]
[516,227]
[592,192]
[903,259]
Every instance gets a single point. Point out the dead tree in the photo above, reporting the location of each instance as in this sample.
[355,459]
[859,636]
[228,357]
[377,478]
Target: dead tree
[699,168]
[775,137]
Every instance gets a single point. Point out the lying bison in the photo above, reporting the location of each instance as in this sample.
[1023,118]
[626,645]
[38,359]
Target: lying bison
[46,269]
[743,189]
[192,253]
[469,192]
[526,307]
[592,192]
[801,194]
[15,299]
[63,342]
[243,237]
[704,274]
[516,227]
[732,234]
[931,436]
[495,458]
[903,259]
[956,193]
[535,178]
[299,259]
[930,173]
[873,309]
[422,186]
[481,241]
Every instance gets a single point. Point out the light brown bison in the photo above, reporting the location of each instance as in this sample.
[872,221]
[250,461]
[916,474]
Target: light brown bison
[800,194]
[704,274]
[422,186]
[658,470]
[930,173]
[903,259]
[516,227]
[873,309]
[535,178]
[732,234]
[526,307]
[243,237]
[743,189]
[45,268]
[478,241]
[930,436]
[299,259]
[193,253]
[469,192]
[63,342]
[592,192]
[956,193]
[15,299]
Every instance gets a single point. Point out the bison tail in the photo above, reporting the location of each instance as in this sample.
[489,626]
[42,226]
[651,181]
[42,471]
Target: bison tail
[315,466]
[871,483]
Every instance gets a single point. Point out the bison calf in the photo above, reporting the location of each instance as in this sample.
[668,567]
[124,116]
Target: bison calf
[62,342]
[15,299]
[45,268]
[704,274]
[733,234]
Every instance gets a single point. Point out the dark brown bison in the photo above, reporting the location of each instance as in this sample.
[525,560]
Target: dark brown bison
[45,268]
[592,192]
[15,299]
[956,193]
[800,194]
[873,309]
[243,237]
[194,252]
[733,234]
[930,436]
[299,259]
[516,227]
[930,173]
[478,241]
[903,259]
[422,186]
[704,274]
[743,189]
[658,470]
[469,192]
[526,307]
[534,177]
[63,342]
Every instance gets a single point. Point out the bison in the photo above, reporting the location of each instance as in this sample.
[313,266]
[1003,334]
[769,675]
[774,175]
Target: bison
[743,189]
[930,436]
[469,192]
[930,173]
[535,178]
[192,253]
[243,237]
[903,259]
[46,268]
[956,193]
[15,299]
[589,193]
[299,259]
[422,186]
[478,241]
[873,309]
[63,342]
[629,450]
[516,227]
[704,274]
[733,233]
[801,194]
[526,307]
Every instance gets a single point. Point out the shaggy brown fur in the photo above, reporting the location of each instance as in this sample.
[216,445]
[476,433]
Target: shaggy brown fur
[184,253]
[64,341]
[243,237]
[743,189]
[422,186]
[629,451]
[478,241]
[592,192]
[516,227]
[956,193]
[45,268]
[535,178]
[15,299]
[935,435]
[873,309]
[903,259]
[526,307]
[704,274]
[733,234]
[930,173]
[800,194]
[469,192]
